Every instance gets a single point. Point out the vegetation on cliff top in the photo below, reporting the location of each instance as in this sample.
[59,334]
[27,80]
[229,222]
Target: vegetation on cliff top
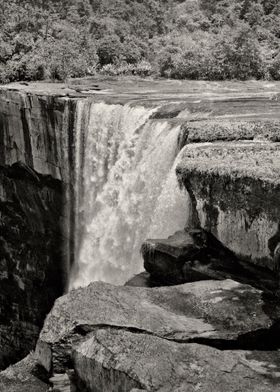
[259,160]
[194,39]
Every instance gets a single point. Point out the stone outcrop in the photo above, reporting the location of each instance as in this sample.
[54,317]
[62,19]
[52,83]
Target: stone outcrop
[234,191]
[193,255]
[234,204]
[163,339]
[184,256]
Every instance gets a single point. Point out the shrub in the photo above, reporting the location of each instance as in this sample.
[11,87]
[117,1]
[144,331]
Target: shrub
[143,68]
[239,54]
[109,50]
[55,59]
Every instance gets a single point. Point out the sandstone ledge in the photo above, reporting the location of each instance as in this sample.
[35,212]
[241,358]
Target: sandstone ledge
[235,192]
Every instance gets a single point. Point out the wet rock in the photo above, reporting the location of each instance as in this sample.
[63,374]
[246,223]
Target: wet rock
[120,335]
[185,257]
[143,279]
[193,255]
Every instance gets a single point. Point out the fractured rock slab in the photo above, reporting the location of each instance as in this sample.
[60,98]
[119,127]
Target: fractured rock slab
[120,338]
[118,360]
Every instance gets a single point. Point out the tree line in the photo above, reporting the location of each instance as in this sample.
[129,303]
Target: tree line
[182,39]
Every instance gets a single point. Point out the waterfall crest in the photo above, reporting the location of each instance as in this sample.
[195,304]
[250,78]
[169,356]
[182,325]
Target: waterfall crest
[126,189]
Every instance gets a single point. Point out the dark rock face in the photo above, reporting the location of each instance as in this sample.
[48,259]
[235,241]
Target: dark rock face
[38,129]
[36,212]
[143,279]
[163,339]
[181,257]
[194,255]
[31,269]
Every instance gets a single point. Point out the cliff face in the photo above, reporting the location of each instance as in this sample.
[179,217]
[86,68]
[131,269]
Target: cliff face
[37,130]
[31,269]
[35,199]
[234,188]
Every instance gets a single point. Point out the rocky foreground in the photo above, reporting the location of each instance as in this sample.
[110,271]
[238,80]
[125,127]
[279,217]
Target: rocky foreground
[202,336]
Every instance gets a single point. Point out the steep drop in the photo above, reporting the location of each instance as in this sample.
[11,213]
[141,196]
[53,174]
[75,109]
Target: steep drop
[126,189]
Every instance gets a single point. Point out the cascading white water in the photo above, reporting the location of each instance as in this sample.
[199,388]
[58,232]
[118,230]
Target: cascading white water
[127,189]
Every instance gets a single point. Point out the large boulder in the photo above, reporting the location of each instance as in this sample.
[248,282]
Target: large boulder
[177,259]
[118,360]
[192,255]
[159,339]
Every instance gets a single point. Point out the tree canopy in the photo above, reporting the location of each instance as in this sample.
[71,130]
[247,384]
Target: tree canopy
[195,39]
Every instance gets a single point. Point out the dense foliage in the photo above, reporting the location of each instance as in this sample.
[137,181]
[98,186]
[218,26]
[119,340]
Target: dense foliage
[194,39]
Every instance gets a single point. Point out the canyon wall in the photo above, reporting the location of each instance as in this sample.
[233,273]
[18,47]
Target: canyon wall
[36,154]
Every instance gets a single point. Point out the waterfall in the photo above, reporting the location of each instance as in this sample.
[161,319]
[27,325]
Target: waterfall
[126,189]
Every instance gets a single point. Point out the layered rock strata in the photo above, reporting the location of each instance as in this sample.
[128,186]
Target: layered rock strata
[36,170]
[37,129]
[234,191]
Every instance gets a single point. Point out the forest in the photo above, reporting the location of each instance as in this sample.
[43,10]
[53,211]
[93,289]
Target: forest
[180,39]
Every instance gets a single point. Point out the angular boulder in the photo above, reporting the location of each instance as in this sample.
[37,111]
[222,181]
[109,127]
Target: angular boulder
[120,338]
[183,257]
[118,360]
[193,255]
[21,377]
